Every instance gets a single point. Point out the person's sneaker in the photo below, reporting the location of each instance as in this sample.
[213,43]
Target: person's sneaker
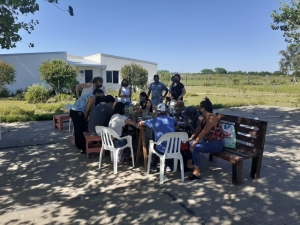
[153,170]
[168,169]
[128,160]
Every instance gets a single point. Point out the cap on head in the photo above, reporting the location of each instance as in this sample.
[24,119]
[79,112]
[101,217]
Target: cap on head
[161,107]
[179,105]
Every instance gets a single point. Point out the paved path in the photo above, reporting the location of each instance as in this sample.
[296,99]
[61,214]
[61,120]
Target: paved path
[43,180]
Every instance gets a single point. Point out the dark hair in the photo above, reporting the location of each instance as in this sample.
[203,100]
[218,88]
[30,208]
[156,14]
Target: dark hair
[124,80]
[148,100]
[96,79]
[174,94]
[119,108]
[207,105]
[177,75]
[143,94]
[98,91]
[109,99]
[155,76]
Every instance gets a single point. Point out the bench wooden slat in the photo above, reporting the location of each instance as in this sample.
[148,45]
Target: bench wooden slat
[228,156]
[241,153]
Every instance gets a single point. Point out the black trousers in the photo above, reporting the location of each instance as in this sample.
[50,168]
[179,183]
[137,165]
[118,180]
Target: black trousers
[79,124]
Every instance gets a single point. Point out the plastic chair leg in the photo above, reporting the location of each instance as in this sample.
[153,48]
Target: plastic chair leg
[182,169]
[115,154]
[132,156]
[175,165]
[149,161]
[161,170]
[100,158]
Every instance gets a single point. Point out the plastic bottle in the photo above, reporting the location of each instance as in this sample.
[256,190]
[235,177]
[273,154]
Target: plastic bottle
[131,109]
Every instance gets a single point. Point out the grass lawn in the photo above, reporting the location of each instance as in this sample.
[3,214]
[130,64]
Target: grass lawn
[221,95]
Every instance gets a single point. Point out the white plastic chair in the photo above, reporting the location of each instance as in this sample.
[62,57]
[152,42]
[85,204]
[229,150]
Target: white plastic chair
[107,144]
[68,107]
[173,142]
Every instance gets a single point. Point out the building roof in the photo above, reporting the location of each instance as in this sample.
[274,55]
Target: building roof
[84,62]
[120,57]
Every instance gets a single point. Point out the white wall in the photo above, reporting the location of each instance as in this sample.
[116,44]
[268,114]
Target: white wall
[116,63]
[97,72]
[27,65]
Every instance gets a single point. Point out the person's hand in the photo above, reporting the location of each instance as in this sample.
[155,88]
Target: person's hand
[190,139]
[192,146]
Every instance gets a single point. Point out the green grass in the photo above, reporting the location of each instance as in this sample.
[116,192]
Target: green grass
[221,94]
[21,111]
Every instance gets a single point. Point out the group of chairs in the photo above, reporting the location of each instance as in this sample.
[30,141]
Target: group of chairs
[172,141]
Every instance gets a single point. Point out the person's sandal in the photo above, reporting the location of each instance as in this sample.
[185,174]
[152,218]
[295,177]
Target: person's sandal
[193,177]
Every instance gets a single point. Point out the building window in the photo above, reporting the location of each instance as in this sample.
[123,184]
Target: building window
[112,77]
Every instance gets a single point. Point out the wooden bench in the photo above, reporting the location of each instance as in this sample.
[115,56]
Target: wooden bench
[250,141]
[92,147]
[58,120]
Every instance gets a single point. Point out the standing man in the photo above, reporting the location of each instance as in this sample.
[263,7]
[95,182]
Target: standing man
[157,89]
[89,87]
[178,87]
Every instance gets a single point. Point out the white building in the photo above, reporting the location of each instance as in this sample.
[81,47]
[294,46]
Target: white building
[106,66]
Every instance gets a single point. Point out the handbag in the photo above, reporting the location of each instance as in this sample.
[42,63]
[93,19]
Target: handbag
[229,135]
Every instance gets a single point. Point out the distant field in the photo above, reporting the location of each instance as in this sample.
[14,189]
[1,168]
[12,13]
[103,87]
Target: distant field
[277,91]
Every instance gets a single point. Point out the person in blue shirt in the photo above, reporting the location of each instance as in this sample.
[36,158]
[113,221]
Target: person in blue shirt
[160,125]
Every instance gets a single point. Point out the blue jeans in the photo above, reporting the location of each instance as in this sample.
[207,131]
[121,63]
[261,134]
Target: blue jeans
[205,147]
[120,143]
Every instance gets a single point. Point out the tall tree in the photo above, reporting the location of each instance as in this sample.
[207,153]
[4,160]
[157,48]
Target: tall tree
[288,59]
[7,74]
[58,74]
[207,71]
[136,75]
[287,20]
[10,25]
[220,70]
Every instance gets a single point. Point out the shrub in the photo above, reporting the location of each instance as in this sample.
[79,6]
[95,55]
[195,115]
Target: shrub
[4,92]
[236,81]
[36,94]
[63,97]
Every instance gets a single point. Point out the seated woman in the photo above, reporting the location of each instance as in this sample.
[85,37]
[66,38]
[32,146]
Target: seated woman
[79,114]
[117,122]
[143,99]
[208,137]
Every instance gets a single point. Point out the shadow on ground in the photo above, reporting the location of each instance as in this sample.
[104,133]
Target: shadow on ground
[44,180]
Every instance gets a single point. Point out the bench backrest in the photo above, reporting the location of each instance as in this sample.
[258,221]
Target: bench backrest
[250,134]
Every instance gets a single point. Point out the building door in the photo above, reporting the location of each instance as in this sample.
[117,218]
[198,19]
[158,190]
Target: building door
[88,75]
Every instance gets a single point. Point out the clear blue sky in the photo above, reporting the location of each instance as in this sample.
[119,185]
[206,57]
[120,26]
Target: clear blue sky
[183,36]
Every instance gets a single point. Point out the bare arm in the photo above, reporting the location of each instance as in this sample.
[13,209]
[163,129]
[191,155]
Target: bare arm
[149,92]
[183,93]
[80,86]
[167,91]
[130,122]
[89,106]
[211,122]
[142,124]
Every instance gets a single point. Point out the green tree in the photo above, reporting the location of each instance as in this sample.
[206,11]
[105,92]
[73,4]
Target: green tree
[164,75]
[58,74]
[10,25]
[207,71]
[220,70]
[136,75]
[287,20]
[288,59]
[7,74]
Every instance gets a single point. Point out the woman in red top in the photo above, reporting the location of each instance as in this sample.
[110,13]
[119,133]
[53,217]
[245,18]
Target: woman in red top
[208,137]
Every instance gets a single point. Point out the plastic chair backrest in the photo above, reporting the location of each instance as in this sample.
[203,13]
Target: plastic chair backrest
[173,140]
[106,135]
[68,107]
